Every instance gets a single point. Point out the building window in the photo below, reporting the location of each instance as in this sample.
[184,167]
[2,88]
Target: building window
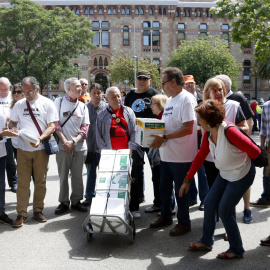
[225,27]
[180,36]
[207,13]
[146,24]
[151,11]
[146,37]
[109,11]
[77,12]
[198,13]
[100,62]
[246,78]
[72,9]
[137,11]
[91,11]
[95,62]
[177,13]
[126,36]
[247,63]
[105,38]
[96,38]
[100,11]
[95,24]
[123,11]
[156,24]
[86,11]
[203,26]
[203,35]
[164,11]
[105,24]
[156,38]
[114,11]
[105,62]
[181,26]
[186,13]
[160,11]
[156,61]
[226,37]
[128,11]
[141,12]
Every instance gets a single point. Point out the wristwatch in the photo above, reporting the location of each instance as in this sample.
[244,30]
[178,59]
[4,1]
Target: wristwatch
[75,143]
[165,138]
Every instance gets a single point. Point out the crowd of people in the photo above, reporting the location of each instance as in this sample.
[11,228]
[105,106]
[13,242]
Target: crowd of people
[194,141]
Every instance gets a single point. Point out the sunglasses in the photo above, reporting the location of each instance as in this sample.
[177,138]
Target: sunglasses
[82,84]
[17,92]
[142,79]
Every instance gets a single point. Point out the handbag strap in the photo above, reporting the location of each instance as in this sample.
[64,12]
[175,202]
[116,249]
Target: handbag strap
[120,123]
[71,112]
[33,118]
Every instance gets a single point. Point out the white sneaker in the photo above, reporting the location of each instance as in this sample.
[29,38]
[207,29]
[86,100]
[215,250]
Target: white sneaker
[136,214]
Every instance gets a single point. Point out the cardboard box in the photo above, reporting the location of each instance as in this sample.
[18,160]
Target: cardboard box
[112,181]
[146,127]
[101,208]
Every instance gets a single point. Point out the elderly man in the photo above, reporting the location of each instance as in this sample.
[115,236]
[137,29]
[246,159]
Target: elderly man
[190,86]
[178,147]
[5,101]
[84,97]
[140,101]
[247,218]
[72,130]
[32,157]
[93,156]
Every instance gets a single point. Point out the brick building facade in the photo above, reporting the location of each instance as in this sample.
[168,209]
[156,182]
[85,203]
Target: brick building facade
[153,29]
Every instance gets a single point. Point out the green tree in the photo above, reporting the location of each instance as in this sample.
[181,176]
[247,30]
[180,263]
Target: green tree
[250,22]
[29,34]
[122,68]
[205,58]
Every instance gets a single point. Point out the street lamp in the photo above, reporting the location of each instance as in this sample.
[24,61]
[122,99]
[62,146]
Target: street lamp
[126,82]
[48,76]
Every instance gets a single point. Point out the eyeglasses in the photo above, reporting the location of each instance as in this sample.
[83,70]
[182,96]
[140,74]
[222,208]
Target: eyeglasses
[17,92]
[29,92]
[142,78]
[165,82]
[82,84]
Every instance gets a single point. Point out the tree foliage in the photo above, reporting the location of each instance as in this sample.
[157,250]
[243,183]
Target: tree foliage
[122,68]
[29,34]
[205,58]
[250,22]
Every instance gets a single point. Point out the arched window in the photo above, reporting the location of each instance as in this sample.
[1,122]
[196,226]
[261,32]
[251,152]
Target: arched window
[206,13]
[128,11]
[109,11]
[160,11]
[90,11]
[77,12]
[184,13]
[105,62]
[100,62]
[86,11]
[164,11]
[72,9]
[123,11]
[100,11]
[126,35]
[151,11]
[188,13]
[95,62]
[141,12]
[177,13]
[114,11]
[137,11]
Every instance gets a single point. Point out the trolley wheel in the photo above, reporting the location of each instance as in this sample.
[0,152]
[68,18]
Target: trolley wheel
[89,236]
[133,233]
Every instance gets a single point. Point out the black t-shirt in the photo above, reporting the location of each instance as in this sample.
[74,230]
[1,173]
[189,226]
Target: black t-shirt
[140,102]
[243,104]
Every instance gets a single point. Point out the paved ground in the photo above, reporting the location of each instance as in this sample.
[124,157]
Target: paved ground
[60,243]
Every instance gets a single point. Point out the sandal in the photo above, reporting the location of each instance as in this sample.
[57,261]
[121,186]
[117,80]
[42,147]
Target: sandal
[227,255]
[199,246]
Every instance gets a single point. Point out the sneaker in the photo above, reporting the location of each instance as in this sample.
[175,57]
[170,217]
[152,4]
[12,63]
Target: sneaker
[260,203]
[19,221]
[5,219]
[152,209]
[136,214]
[247,218]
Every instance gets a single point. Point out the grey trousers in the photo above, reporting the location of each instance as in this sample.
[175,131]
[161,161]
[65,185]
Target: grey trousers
[73,163]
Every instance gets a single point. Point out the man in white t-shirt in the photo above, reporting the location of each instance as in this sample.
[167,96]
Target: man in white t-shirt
[72,130]
[32,156]
[11,166]
[178,147]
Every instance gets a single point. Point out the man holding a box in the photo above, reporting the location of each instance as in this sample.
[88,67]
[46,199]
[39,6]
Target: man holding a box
[178,147]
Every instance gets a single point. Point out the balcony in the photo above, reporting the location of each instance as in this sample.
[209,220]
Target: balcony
[148,48]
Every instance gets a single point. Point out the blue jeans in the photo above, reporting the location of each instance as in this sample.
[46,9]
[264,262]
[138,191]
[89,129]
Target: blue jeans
[90,191]
[2,184]
[266,187]
[11,165]
[174,172]
[203,186]
[224,196]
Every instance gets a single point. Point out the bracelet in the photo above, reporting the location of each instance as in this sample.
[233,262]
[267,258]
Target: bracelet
[187,181]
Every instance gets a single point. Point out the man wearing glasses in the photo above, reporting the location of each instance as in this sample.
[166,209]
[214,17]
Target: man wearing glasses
[85,96]
[140,101]
[5,101]
[32,156]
